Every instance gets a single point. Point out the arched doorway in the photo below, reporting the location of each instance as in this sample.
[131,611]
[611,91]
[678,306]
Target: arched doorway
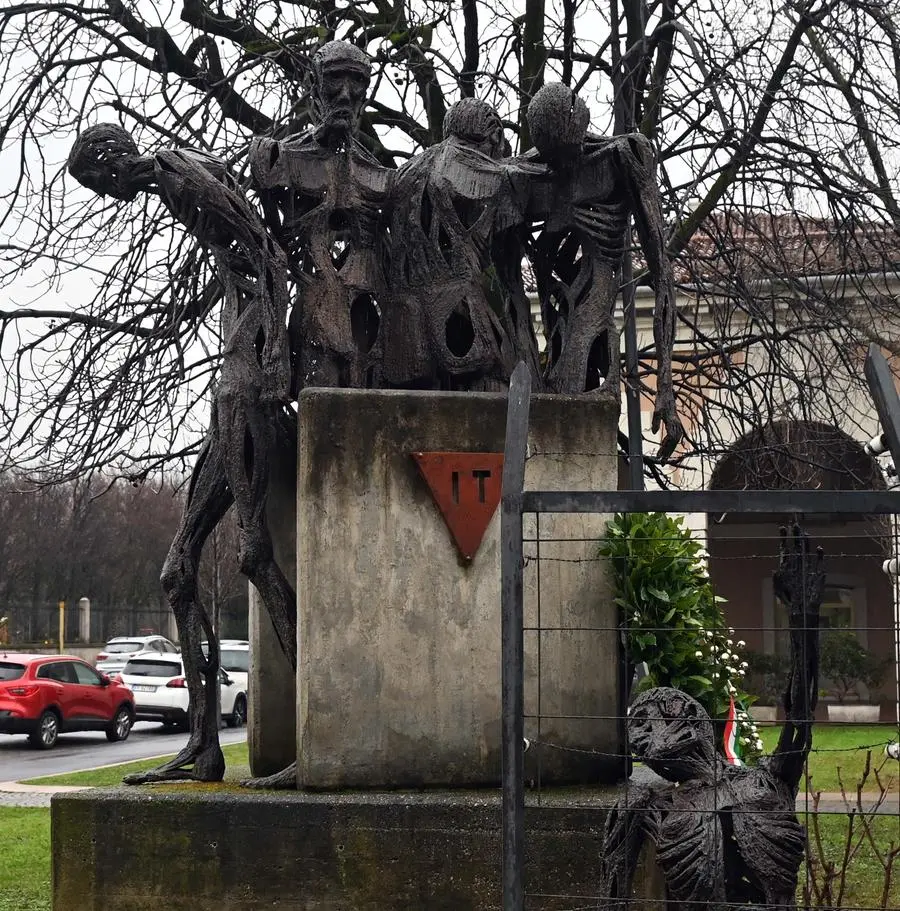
[743,549]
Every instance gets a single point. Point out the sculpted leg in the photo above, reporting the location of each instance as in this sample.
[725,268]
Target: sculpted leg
[583,349]
[208,500]
[253,436]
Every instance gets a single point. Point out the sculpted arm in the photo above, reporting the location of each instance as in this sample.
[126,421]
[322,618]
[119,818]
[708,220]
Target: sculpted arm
[200,192]
[639,165]
[629,824]
[799,584]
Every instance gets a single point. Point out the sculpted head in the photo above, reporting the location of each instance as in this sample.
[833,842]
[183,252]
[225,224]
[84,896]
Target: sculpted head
[672,733]
[340,82]
[558,121]
[477,124]
[105,159]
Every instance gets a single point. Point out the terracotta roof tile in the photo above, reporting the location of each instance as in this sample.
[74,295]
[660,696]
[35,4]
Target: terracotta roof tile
[754,244]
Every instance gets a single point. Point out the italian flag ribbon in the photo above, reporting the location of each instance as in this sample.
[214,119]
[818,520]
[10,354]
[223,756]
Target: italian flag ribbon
[732,751]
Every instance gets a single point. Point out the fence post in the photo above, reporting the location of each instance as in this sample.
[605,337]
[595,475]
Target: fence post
[512,647]
[84,619]
[62,626]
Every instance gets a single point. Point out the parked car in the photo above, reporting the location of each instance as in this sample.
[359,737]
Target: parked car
[118,651]
[44,696]
[234,659]
[160,691]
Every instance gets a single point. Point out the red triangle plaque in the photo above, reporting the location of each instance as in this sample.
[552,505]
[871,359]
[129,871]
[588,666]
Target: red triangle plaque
[466,487]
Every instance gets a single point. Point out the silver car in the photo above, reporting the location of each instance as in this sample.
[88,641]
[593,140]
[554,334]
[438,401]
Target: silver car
[117,652]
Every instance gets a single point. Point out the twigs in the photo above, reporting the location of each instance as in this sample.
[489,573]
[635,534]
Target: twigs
[828,877]
[789,110]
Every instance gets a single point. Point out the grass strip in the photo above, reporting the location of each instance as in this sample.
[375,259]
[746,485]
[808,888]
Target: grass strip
[25,868]
[839,754]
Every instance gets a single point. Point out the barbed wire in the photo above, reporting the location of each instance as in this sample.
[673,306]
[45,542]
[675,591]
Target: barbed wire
[789,458]
[626,625]
[715,539]
[607,755]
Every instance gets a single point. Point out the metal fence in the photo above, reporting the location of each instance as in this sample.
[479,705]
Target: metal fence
[848,806]
[31,625]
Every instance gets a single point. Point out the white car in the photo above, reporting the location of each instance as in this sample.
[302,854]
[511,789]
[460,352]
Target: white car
[117,652]
[160,691]
[234,659]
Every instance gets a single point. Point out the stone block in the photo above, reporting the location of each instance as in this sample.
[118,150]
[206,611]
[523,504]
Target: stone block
[399,638]
[271,724]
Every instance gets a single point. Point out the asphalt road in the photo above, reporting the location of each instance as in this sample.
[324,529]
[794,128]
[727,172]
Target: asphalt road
[74,752]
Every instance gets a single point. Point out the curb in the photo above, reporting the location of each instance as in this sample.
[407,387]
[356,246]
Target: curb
[16,787]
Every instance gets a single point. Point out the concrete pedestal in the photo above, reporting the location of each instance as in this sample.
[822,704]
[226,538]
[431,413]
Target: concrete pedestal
[399,639]
[237,851]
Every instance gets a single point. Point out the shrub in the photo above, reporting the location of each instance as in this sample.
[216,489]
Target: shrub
[844,662]
[853,855]
[671,616]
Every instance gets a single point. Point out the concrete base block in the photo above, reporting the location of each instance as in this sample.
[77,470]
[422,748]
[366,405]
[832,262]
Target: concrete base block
[142,850]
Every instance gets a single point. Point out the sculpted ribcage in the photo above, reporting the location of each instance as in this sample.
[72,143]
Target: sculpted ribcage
[328,207]
[605,224]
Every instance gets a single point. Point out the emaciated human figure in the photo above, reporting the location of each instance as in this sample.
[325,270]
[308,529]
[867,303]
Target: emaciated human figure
[453,324]
[725,835]
[323,196]
[233,464]
[581,215]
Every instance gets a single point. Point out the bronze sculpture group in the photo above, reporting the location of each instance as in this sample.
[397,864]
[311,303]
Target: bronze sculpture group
[345,273]
[351,274]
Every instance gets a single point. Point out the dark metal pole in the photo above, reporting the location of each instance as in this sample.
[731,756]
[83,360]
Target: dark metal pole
[632,387]
[512,644]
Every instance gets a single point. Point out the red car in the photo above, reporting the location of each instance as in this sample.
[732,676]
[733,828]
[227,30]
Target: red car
[44,696]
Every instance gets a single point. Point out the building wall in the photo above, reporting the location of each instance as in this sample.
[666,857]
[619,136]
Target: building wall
[743,557]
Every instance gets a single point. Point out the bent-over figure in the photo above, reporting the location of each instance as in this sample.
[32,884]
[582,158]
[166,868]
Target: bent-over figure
[724,835]
[315,252]
[233,464]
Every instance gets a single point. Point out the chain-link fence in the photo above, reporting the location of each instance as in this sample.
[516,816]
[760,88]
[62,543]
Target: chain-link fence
[724,708]
[34,625]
